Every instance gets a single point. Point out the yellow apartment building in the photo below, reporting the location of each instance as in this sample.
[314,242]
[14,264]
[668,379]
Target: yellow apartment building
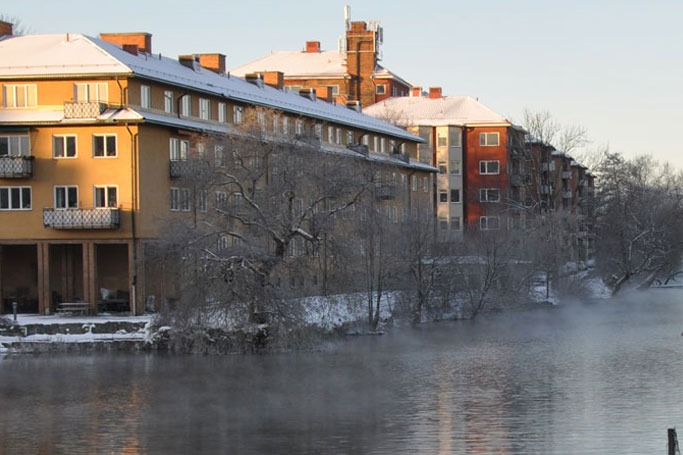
[92,135]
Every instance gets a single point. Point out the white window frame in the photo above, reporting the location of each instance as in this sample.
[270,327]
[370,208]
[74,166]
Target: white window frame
[443,196]
[64,139]
[203,201]
[180,199]
[285,125]
[222,112]
[22,195]
[238,115]
[425,184]
[102,198]
[145,96]
[455,200]
[489,167]
[339,136]
[186,105]
[330,134]
[455,223]
[204,109]
[106,153]
[486,222]
[15,145]
[380,89]
[91,92]
[19,96]
[168,101]
[299,127]
[69,191]
[489,195]
[179,149]
[455,167]
[414,182]
[487,139]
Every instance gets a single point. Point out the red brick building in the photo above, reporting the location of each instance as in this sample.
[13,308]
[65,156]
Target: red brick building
[350,74]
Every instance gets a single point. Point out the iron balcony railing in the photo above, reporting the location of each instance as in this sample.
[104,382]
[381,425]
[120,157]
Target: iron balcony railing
[83,109]
[178,168]
[16,167]
[82,218]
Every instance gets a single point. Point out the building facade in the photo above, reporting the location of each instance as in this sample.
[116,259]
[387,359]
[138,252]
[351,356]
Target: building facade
[94,134]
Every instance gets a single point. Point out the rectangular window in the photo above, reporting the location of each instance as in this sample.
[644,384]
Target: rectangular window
[64,146]
[261,119]
[300,127]
[238,115]
[425,184]
[276,123]
[14,146]
[106,196]
[168,101]
[455,223]
[443,169]
[178,149]
[145,96]
[334,89]
[180,199]
[330,134]
[186,106]
[25,95]
[489,167]
[318,129]
[285,126]
[455,196]
[380,89]
[487,223]
[339,136]
[204,109]
[443,223]
[383,145]
[15,198]
[104,145]
[442,139]
[414,182]
[488,139]
[89,92]
[202,201]
[219,155]
[222,112]
[489,195]
[66,197]
[455,167]
[375,144]
[349,137]
[443,196]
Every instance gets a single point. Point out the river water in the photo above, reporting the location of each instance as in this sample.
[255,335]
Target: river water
[599,378]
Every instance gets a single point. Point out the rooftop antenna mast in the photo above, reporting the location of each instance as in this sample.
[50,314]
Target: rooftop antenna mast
[347,17]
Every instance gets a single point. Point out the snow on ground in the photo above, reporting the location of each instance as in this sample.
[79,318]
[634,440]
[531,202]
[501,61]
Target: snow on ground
[86,336]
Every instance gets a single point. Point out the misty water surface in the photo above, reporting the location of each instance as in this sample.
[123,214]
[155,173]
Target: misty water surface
[600,378]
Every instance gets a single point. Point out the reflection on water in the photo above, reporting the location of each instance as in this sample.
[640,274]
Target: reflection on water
[591,379]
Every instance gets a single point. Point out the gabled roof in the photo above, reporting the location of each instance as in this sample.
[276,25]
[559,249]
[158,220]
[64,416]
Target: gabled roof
[309,65]
[448,110]
[76,55]
[298,65]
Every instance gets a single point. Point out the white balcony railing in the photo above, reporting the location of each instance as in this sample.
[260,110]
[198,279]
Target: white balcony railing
[81,218]
[83,109]
[16,167]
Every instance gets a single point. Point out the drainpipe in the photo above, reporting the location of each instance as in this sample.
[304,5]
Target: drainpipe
[134,207]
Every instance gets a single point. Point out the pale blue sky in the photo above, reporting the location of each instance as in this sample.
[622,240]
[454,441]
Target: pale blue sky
[614,67]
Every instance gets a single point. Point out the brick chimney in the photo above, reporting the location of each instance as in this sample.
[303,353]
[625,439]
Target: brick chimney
[275,79]
[6,28]
[312,46]
[324,93]
[362,45]
[142,40]
[213,62]
[434,92]
[131,48]
[417,91]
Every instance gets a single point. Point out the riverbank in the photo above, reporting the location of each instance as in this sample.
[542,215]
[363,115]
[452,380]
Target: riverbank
[36,333]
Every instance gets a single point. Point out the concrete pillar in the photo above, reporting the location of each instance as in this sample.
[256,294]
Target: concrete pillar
[89,274]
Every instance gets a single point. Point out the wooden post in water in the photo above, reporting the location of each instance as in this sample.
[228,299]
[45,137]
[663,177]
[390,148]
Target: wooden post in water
[673,441]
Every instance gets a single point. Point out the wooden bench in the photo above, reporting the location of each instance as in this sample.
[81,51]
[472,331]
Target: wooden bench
[73,308]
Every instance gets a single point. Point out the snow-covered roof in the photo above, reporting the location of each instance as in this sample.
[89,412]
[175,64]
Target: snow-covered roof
[442,111]
[76,55]
[298,64]
[309,65]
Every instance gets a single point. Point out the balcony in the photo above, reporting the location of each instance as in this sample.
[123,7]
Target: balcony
[16,167]
[385,191]
[83,109]
[179,168]
[566,175]
[81,218]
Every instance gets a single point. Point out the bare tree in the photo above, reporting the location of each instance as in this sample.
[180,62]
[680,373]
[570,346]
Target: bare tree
[18,28]
[640,214]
